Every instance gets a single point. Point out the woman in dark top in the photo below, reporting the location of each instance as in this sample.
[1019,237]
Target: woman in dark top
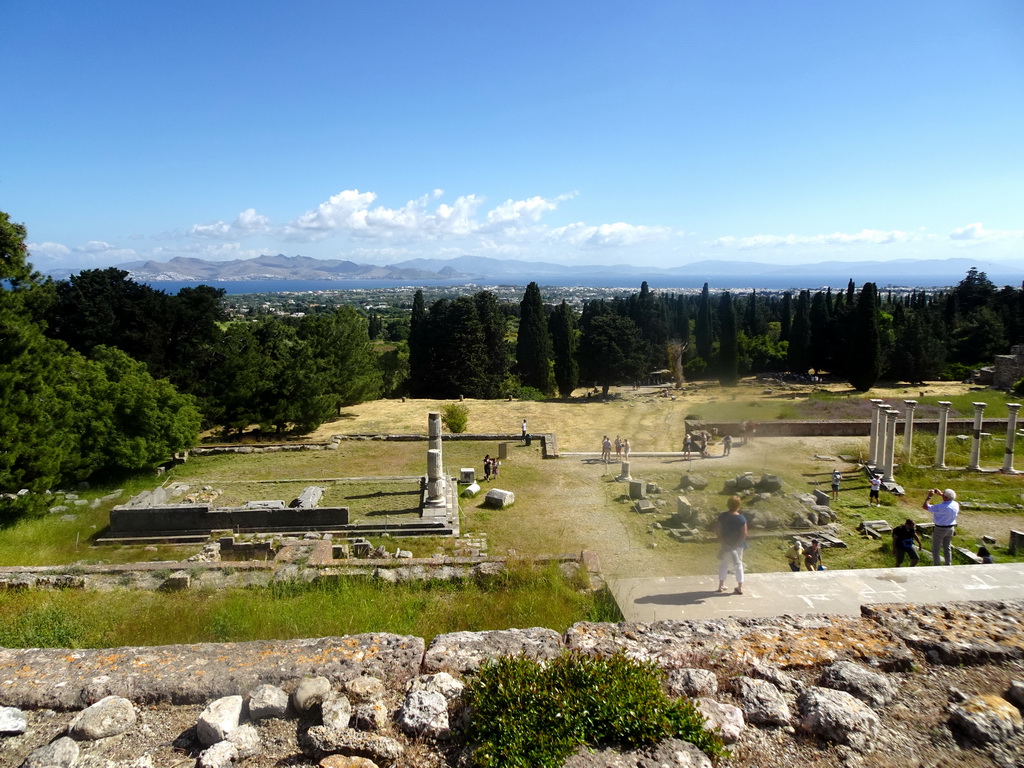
[731,528]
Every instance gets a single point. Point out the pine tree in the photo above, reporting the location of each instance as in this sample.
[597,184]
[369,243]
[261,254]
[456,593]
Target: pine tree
[533,346]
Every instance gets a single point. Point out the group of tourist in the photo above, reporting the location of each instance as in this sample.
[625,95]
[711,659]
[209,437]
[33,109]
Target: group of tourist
[731,530]
[621,446]
[491,467]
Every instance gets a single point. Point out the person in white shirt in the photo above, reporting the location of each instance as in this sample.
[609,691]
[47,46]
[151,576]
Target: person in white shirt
[944,516]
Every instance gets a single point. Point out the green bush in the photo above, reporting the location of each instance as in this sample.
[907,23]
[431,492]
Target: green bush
[455,416]
[957,372]
[523,713]
[1018,388]
[530,393]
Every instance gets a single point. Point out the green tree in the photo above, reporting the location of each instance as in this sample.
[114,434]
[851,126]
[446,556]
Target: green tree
[799,352]
[865,353]
[703,332]
[611,350]
[820,333]
[562,326]
[496,355]
[533,346]
[728,351]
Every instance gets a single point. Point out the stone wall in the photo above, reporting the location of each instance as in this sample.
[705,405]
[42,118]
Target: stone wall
[169,518]
[852,428]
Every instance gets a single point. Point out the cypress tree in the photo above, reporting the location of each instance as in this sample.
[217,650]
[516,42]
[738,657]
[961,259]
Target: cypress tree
[498,360]
[865,350]
[786,316]
[702,330]
[533,346]
[419,347]
[799,354]
[728,350]
[820,327]
[565,342]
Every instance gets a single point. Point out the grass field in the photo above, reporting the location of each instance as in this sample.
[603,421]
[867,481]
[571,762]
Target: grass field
[562,506]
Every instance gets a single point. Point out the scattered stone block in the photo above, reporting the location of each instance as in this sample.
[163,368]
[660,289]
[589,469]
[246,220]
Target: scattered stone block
[309,498]
[838,717]
[61,753]
[176,582]
[470,490]
[499,499]
[683,508]
[693,480]
[769,484]
[870,687]
[336,710]
[762,703]
[821,498]
[637,489]
[644,506]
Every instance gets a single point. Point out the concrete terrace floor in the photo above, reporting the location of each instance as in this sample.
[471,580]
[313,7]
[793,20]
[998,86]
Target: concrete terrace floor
[834,592]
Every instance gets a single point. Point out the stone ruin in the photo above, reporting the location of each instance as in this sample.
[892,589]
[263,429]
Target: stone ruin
[157,516]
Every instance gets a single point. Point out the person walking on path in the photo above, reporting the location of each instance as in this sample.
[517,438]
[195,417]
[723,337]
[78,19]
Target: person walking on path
[606,449]
[618,447]
[487,467]
[524,431]
[837,477]
[795,555]
[731,529]
[625,448]
[812,556]
[904,537]
[876,486]
[726,445]
[944,515]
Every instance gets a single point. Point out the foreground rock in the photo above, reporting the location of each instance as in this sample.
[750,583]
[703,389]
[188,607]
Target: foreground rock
[809,690]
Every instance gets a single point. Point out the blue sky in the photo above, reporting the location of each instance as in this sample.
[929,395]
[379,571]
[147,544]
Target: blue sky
[654,133]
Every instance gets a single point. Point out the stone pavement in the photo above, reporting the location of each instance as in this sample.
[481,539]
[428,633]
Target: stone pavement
[834,592]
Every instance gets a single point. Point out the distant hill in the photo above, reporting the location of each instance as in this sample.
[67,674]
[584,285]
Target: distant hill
[719,274]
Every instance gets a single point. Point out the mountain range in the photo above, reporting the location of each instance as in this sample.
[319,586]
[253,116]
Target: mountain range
[720,274]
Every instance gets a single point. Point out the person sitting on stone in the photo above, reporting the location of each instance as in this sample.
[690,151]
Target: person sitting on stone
[795,555]
[812,557]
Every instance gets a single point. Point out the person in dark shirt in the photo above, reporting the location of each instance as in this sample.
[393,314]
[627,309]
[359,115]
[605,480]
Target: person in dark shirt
[904,537]
[731,529]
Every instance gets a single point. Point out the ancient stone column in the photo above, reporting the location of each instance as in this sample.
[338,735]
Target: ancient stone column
[908,428]
[879,460]
[890,444]
[873,440]
[979,408]
[434,430]
[940,436]
[625,472]
[1011,437]
[435,478]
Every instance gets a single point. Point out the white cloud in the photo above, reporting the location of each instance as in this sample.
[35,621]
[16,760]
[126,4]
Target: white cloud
[977,231]
[619,234]
[250,221]
[55,251]
[864,237]
[515,213]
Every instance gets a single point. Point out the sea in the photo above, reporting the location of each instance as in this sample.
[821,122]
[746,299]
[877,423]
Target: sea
[239,287]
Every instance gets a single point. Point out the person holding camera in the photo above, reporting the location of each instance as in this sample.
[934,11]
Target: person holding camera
[944,516]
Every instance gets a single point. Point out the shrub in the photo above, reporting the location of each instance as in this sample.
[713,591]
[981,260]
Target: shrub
[530,393]
[957,372]
[455,416]
[524,713]
[1018,388]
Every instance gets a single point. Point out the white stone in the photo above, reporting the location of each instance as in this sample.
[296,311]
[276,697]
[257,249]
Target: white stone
[310,693]
[107,717]
[725,717]
[218,720]
[12,720]
[337,710]
[424,713]
[246,740]
[267,701]
[220,755]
